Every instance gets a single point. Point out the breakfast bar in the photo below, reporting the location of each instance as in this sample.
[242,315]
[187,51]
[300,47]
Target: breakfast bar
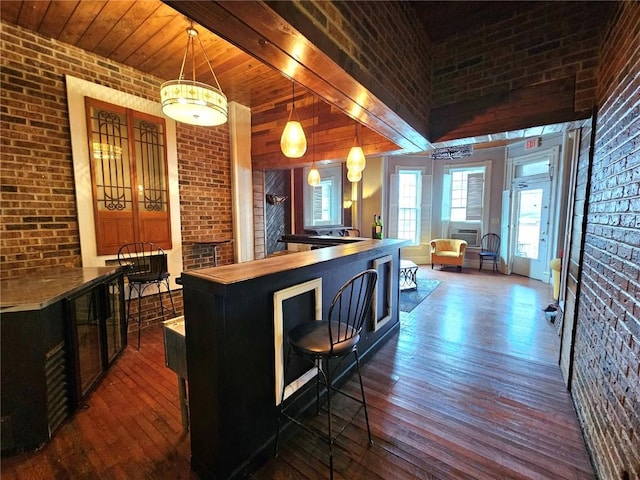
[236,317]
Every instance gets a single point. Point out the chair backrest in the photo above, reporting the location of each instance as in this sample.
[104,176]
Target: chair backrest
[142,259]
[448,245]
[351,307]
[490,243]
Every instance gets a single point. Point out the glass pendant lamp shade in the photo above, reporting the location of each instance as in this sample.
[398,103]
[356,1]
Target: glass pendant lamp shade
[313,178]
[194,103]
[293,142]
[356,160]
[354,176]
[190,101]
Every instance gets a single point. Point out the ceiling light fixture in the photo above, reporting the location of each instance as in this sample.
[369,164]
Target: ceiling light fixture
[356,160]
[313,178]
[190,101]
[293,143]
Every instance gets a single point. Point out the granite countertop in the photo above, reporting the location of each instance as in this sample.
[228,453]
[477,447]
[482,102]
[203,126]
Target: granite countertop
[39,289]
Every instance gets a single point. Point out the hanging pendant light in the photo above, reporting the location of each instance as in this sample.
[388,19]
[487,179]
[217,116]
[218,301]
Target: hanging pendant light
[356,160]
[313,178]
[293,143]
[354,176]
[190,101]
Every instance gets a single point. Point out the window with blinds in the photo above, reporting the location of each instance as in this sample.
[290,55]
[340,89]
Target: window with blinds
[465,201]
[129,176]
[467,195]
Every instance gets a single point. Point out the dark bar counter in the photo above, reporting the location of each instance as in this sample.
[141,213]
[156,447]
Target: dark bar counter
[236,317]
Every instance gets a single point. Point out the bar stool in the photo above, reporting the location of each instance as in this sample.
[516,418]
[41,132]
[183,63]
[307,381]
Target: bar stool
[144,265]
[319,341]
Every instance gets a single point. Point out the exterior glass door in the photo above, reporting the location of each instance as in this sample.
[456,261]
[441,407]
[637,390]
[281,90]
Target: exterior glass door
[531,203]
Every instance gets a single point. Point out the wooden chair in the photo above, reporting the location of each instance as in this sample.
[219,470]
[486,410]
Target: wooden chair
[490,249]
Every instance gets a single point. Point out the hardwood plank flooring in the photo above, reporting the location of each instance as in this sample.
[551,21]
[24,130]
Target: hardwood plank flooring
[469,389]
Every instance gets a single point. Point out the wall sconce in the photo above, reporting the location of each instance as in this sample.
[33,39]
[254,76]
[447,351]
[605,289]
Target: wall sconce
[347,204]
[276,199]
[293,143]
[192,102]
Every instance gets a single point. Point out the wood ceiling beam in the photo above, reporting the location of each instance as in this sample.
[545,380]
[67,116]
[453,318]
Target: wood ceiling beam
[255,28]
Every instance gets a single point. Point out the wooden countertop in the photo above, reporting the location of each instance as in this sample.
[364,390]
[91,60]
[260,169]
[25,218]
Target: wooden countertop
[239,272]
[40,289]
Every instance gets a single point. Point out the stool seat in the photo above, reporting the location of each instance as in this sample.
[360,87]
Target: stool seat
[310,338]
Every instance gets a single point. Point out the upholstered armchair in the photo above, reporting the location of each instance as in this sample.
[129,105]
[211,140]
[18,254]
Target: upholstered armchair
[448,251]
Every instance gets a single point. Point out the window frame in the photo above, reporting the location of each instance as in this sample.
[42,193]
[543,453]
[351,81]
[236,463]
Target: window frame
[77,89]
[333,172]
[424,204]
[448,223]
[417,208]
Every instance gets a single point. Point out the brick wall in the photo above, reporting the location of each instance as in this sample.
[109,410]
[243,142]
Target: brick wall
[372,42]
[205,193]
[259,229]
[542,41]
[606,381]
[38,207]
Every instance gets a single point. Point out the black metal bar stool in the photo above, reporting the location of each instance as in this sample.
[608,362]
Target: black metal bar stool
[144,264]
[337,337]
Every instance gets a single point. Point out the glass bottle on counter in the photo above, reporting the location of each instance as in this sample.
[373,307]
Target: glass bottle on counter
[379,227]
[376,227]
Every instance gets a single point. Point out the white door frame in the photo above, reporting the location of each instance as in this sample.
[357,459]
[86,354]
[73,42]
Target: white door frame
[552,155]
[538,267]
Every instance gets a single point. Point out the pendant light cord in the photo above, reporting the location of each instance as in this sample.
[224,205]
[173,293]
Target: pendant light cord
[191,34]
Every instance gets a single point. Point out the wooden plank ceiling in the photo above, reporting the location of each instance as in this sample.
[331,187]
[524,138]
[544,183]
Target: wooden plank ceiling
[150,36]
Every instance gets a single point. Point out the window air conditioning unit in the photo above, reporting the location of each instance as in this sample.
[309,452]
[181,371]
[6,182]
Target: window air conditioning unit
[471,235]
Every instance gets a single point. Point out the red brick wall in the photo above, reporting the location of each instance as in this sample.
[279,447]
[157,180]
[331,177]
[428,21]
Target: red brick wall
[38,206]
[383,45]
[205,193]
[542,41]
[606,381]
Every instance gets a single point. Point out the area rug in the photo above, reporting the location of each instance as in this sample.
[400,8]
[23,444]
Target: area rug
[410,299]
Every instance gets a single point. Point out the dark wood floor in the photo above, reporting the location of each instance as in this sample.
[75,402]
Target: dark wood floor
[469,389]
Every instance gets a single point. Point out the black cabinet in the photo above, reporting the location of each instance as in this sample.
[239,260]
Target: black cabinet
[55,351]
